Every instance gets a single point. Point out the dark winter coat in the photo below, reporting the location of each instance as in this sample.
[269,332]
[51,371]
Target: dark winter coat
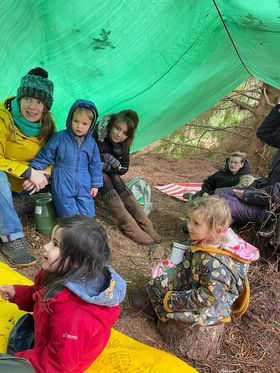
[224,178]
[262,199]
[112,154]
[120,152]
[73,327]
[77,168]
[269,133]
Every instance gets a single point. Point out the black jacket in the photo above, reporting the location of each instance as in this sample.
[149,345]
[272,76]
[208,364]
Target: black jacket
[118,152]
[269,133]
[224,178]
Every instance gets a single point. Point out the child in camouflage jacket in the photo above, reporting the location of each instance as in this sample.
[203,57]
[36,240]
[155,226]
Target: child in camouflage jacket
[211,282]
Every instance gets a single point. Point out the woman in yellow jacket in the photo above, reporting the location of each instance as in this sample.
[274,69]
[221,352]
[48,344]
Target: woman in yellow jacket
[25,126]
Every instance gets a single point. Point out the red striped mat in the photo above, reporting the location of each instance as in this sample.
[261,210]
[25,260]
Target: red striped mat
[177,190]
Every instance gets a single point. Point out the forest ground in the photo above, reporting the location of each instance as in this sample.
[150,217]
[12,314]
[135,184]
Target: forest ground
[251,344]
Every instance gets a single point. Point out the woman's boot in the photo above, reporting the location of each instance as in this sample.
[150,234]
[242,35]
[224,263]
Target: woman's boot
[139,215]
[125,220]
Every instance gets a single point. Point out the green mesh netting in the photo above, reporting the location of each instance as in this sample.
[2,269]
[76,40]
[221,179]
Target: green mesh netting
[170,60]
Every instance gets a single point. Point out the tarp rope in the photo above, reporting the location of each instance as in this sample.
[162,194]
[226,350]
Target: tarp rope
[230,37]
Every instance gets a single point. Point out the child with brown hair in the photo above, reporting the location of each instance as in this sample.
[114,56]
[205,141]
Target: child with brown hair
[75,299]
[115,135]
[77,171]
[211,282]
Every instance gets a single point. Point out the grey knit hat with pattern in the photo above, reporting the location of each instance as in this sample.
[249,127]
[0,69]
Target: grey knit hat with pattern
[36,84]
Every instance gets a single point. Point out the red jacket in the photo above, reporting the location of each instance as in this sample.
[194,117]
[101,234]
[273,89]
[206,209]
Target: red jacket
[70,333]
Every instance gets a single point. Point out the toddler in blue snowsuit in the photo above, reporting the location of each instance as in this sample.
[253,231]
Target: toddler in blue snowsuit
[77,169]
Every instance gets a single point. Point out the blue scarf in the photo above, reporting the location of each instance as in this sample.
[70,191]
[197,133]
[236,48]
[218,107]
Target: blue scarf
[28,128]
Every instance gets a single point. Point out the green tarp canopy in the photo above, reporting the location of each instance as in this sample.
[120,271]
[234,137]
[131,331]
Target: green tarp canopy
[170,60]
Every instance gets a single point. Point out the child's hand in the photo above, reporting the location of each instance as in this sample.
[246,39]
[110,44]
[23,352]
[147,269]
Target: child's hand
[93,192]
[7,291]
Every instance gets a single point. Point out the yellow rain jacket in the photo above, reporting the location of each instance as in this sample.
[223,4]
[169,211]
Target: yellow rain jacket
[16,149]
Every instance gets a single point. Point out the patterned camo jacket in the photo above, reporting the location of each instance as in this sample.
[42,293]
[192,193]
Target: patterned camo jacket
[204,286]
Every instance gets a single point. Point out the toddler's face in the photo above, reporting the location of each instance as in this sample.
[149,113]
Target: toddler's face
[198,228]
[52,252]
[119,132]
[234,164]
[80,123]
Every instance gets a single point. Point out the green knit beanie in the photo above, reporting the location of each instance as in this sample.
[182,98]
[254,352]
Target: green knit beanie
[36,84]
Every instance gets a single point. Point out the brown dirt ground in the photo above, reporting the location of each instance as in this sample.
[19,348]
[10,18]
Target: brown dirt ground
[249,345]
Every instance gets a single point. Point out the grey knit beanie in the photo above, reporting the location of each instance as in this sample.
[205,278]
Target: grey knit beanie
[36,84]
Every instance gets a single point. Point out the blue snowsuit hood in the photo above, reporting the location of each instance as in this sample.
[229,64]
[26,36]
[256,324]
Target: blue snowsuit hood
[82,104]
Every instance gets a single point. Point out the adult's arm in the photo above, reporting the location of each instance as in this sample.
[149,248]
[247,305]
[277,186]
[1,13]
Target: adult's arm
[10,166]
[269,130]
[124,161]
[209,184]
[265,197]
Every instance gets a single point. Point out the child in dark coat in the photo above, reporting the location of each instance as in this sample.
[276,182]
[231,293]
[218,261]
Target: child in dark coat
[114,136]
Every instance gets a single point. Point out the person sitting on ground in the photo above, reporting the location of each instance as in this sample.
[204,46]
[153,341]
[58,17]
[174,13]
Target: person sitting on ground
[77,171]
[260,201]
[236,166]
[26,125]
[211,282]
[114,136]
[75,299]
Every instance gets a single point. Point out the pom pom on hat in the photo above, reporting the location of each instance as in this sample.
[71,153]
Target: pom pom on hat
[36,84]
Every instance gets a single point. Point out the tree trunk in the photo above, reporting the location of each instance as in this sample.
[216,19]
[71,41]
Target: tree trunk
[193,341]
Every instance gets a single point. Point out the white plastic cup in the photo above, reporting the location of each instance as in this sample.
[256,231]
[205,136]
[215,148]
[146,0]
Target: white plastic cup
[178,250]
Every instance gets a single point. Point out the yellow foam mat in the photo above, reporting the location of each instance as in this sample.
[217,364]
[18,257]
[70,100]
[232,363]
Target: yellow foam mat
[122,354]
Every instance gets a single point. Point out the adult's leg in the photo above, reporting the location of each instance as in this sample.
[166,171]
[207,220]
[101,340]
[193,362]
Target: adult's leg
[11,233]
[242,212]
[127,223]
[138,213]
[133,207]
[10,225]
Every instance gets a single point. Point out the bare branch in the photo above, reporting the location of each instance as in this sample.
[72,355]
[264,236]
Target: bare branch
[245,94]
[226,129]
[266,97]
[241,105]
[193,146]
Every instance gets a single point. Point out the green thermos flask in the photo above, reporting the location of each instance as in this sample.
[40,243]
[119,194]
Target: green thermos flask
[45,218]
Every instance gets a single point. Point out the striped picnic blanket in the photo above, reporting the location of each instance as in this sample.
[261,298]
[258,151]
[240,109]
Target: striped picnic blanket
[177,190]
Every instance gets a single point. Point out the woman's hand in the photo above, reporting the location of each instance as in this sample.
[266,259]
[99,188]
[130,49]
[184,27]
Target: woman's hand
[93,192]
[238,193]
[7,291]
[36,182]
